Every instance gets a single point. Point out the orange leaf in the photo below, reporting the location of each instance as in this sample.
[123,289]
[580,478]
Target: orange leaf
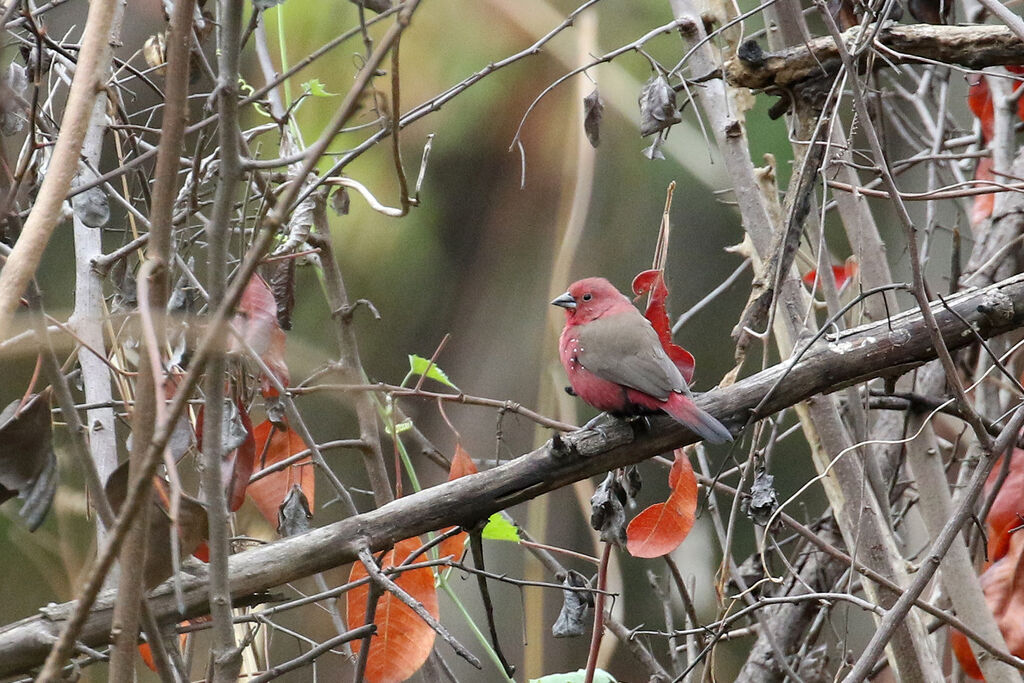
[462,465]
[1003,580]
[653,281]
[269,492]
[660,528]
[1002,585]
[403,641]
[983,203]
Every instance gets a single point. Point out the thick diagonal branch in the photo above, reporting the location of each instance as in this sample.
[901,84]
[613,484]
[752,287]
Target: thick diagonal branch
[883,349]
[974,47]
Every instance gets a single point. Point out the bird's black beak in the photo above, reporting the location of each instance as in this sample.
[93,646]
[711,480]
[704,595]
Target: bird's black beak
[565,301]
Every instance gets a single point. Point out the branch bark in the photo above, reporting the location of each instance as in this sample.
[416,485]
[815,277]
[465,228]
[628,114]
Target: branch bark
[974,47]
[877,350]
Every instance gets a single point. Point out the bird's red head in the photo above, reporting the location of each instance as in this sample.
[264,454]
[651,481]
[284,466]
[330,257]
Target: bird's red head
[588,299]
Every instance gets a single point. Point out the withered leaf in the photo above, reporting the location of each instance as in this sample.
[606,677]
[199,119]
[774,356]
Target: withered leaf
[571,619]
[653,151]
[631,484]
[763,499]
[607,512]
[657,106]
[192,525]
[282,285]
[931,11]
[293,516]
[28,466]
[593,112]
[91,207]
[13,112]
[340,201]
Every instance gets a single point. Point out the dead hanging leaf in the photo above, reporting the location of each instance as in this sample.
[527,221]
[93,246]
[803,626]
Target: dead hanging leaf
[256,320]
[660,529]
[403,641]
[571,620]
[462,465]
[28,466]
[272,446]
[843,13]
[931,11]
[608,511]
[13,109]
[282,286]
[293,516]
[657,106]
[653,151]
[239,448]
[155,52]
[593,112]
[763,500]
[653,282]
[340,201]
[192,525]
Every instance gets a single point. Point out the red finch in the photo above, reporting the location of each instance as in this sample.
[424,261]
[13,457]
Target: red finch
[616,362]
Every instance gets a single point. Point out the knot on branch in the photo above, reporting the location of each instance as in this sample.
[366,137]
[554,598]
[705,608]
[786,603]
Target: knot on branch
[997,306]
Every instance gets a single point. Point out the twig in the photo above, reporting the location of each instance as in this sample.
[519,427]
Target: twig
[384,583]
[90,74]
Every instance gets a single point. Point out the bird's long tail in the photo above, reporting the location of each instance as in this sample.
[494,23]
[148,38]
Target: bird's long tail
[703,424]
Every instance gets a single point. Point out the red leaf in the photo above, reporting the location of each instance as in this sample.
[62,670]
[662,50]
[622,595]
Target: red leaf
[1008,506]
[1002,585]
[843,274]
[147,655]
[274,445]
[1003,580]
[462,465]
[653,281]
[983,203]
[979,99]
[257,322]
[403,641]
[660,529]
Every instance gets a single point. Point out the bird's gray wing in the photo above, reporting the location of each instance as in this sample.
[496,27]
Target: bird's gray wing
[624,348]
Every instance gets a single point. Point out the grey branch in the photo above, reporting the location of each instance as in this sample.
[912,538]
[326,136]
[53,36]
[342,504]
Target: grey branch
[884,349]
[974,47]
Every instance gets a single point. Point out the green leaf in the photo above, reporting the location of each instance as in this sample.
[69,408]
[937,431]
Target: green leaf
[316,88]
[600,676]
[500,529]
[418,365]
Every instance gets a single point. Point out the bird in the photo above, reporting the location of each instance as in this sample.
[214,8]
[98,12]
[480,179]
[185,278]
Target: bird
[616,362]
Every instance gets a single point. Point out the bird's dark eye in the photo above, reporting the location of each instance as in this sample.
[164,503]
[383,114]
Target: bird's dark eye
[588,296]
